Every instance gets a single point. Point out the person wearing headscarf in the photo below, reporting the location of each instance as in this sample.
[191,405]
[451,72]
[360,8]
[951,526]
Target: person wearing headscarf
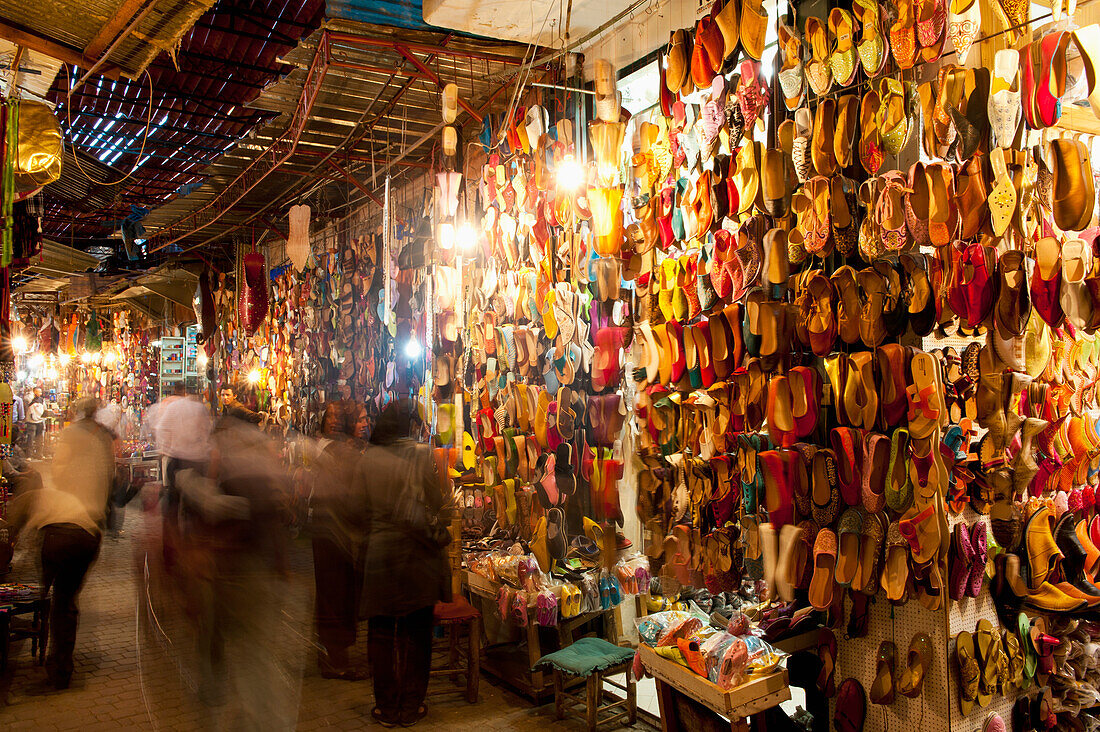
[406,570]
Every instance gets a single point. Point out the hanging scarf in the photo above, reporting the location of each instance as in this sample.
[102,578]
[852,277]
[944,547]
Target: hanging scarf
[11,127]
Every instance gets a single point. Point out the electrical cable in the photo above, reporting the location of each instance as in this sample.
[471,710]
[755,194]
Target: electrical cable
[144,139]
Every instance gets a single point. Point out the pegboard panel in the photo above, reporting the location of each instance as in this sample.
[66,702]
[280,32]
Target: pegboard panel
[963,615]
[857,658]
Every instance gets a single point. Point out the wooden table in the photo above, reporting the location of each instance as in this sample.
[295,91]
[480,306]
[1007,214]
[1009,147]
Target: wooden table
[145,464]
[690,702]
[517,669]
[36,628]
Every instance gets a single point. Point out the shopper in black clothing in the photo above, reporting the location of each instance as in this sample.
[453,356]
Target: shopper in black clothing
[406,568]
[232,407]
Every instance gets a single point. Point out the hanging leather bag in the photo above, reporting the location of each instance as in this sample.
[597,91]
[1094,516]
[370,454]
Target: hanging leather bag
[40,148]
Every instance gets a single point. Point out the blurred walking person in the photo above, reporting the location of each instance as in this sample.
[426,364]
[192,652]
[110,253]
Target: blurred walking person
[407,570]
[69,510]
[337,541]
[183,437]
[234,529]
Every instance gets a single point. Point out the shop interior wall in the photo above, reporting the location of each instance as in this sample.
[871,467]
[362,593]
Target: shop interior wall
[649,30]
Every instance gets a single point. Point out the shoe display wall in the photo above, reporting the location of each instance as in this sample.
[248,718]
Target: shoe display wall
[835,322]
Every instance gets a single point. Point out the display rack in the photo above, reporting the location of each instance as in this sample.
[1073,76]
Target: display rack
[172,364]
[191,352]
[512,663]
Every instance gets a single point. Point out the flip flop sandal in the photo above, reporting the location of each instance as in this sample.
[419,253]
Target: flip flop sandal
[969,671]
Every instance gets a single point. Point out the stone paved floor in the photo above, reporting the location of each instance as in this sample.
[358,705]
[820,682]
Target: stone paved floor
[127,676]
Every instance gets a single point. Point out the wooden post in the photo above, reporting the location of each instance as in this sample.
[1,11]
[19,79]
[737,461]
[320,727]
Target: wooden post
[452,651]
[534,653]
[593,689]
[456,557]
[559,695]
[631,698]
[666,705]
[473,660]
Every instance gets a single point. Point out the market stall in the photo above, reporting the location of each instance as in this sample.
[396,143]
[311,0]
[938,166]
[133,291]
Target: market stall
[823,314]
[760,338]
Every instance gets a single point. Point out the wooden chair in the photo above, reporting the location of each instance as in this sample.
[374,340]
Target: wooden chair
[452,616]
[589,662]
[15,623]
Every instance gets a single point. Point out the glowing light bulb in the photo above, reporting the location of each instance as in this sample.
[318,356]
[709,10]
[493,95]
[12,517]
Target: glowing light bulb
[466,237]
[65,358]
[110,357]
[85,357]
[413,349]
[446,236]
[254,376]
[19,344]
[36,360]
[570,174]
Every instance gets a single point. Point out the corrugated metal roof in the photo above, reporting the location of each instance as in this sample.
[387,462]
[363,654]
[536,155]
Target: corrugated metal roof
[91,26]
[36,71]
[194,112]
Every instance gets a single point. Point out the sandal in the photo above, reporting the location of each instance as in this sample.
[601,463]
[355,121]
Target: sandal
[919,665]
[969,671]
[882,689]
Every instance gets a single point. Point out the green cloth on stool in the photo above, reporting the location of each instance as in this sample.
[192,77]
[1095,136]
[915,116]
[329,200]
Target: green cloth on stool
[587,655]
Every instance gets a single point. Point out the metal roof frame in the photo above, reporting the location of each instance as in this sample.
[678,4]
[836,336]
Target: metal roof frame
[394,77]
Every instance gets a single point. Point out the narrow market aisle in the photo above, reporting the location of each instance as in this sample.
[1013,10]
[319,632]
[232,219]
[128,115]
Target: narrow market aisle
[126,679]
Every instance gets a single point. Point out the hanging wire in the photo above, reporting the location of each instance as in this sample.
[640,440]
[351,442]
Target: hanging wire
[144,139]
[522,76]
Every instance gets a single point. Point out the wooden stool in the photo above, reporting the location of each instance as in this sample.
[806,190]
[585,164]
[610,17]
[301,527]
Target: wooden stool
[593,660]
[452,616]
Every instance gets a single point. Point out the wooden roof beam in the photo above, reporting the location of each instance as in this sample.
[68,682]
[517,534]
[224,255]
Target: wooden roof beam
[107,32]
[59,51]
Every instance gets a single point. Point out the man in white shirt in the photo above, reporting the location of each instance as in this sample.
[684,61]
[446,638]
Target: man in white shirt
[36,423]
[183,435]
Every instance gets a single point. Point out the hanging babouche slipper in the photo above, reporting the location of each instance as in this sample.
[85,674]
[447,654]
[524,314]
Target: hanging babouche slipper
[964,21]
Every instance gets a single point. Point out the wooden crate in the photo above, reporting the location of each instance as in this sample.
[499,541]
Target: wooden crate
[752,697]
[801,642]
[482,586]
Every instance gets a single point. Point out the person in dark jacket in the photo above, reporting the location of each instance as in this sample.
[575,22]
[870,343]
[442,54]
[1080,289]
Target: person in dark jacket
[233,407]
[337,542]
[406,566]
